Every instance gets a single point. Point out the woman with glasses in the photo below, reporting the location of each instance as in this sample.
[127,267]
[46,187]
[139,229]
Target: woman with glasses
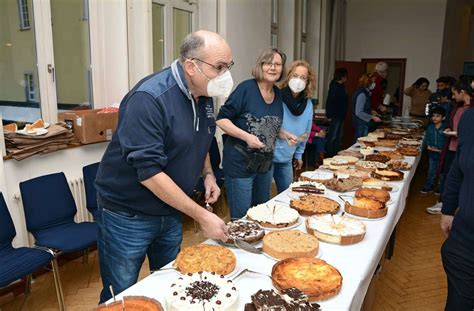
[252,117]
[297,89]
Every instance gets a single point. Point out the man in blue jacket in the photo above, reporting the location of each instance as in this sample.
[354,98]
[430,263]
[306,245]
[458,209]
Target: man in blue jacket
[336,110]
[156,156]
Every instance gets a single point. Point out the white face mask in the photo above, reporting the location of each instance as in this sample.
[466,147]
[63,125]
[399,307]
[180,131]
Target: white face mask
[220,86]
[296,85]
[372,86]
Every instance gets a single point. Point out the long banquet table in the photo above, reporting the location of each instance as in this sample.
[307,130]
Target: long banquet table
[357,263]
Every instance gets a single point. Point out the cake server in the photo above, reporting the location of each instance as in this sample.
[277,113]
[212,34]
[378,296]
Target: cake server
[247,247]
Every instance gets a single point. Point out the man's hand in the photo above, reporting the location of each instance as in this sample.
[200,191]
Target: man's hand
[212,189]
[298,164]
[376,119]
[253,142]
[446,223]
[212,226]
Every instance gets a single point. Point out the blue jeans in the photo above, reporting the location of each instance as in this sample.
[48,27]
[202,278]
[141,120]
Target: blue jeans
[360,131]
[432,169]
[448,160]
[123,241]
[334,137]
[242,193]
[283,175]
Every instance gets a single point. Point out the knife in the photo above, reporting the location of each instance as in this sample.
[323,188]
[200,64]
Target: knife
[247,247]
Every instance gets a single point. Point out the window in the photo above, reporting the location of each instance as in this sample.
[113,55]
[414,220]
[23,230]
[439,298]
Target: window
[274,30]
[23,14]
[182,26]
[29,87]
[158,33]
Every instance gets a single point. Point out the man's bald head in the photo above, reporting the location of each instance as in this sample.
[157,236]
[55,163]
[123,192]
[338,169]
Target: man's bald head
[199,43]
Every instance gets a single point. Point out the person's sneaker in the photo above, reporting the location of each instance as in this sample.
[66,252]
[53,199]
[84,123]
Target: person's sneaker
[425,190]
[435,209]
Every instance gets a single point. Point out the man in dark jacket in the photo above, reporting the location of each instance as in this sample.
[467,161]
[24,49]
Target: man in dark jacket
[336,109]
[156,156]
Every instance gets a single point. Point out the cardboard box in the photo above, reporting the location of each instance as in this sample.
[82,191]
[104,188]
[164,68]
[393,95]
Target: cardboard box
[89,125]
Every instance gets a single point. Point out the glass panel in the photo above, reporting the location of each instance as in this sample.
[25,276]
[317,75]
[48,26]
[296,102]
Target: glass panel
[71,54]
[303,50]
[274,40]
[19,92]
[182,26]
[305,10]
[274,11]
[158,25]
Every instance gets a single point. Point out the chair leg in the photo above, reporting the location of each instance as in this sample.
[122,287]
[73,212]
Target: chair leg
[28,284]
[85,256]
[57,284]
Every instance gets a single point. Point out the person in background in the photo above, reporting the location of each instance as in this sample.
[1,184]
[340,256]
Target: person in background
[252,117]
[445,102]
[457,221]
[336,110]
[316,142]
[156,156]
[362,113]
[442,83]
[462,96]
[380,73]
[434,139]
[419,94]
[297,89]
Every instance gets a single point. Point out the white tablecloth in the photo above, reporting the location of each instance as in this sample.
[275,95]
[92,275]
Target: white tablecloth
[357,263]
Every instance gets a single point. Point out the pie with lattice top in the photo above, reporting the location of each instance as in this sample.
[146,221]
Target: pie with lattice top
[203,257]
[314,277]
[315,204]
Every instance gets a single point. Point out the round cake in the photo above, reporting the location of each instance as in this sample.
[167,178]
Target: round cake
[202,291]
[388,174]
[314,277]
[367,208]
[377,157]
[370,166]
[380,195]
[132,303]
[315,204]
[273,215]
[399,165]
[409,151]
[336,229]
[244,230]
[204,257]
[290,243]
[308,187]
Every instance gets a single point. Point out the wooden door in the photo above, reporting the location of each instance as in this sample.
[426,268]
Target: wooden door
[354,71]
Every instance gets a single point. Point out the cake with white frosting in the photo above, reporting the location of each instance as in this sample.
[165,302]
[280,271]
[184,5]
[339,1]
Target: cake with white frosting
[272,215]
[336,229]
[202,291]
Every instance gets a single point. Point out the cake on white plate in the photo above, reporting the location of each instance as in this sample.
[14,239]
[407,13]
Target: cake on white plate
[273,215]
[202,291]
[336,229]
[310,187]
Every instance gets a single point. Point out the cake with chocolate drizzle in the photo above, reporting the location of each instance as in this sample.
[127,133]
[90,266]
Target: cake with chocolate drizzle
[290,299]
[202,291]
[244,230]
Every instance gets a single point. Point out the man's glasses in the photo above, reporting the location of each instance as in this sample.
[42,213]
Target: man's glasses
[222,68]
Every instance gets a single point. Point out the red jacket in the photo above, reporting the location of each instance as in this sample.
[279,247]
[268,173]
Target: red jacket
[377,93]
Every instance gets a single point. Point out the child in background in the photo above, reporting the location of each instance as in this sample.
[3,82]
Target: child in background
[434,139]
[445,102]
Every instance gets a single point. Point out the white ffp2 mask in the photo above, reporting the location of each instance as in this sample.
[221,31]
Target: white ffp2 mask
[297,85]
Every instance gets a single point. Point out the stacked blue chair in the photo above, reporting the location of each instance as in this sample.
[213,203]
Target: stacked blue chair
[49,210]
[17,263]
[90,172]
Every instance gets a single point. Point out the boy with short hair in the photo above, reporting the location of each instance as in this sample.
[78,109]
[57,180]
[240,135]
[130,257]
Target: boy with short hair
[434,139]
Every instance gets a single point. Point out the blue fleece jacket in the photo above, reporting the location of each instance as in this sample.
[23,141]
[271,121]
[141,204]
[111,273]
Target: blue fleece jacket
[435,136]
[160,129]
[297,125]
[458,194]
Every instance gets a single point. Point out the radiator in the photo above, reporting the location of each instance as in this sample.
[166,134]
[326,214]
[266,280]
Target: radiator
[79,193]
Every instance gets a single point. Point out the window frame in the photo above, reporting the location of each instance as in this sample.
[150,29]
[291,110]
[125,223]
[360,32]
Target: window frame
[274,23]
[29,87]
[23,15]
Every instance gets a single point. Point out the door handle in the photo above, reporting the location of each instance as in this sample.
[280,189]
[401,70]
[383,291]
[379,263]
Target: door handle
[52,71]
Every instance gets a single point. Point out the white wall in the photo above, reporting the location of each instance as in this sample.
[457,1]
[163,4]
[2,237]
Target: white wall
[247,30]
[411,29]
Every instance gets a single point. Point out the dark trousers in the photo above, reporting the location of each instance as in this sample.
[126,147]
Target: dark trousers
[334,137]
[458,262]
[448,160]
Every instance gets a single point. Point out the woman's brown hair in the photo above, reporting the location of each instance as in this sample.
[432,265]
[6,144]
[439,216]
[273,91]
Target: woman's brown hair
[365,80]
[265,57]
[310,84]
